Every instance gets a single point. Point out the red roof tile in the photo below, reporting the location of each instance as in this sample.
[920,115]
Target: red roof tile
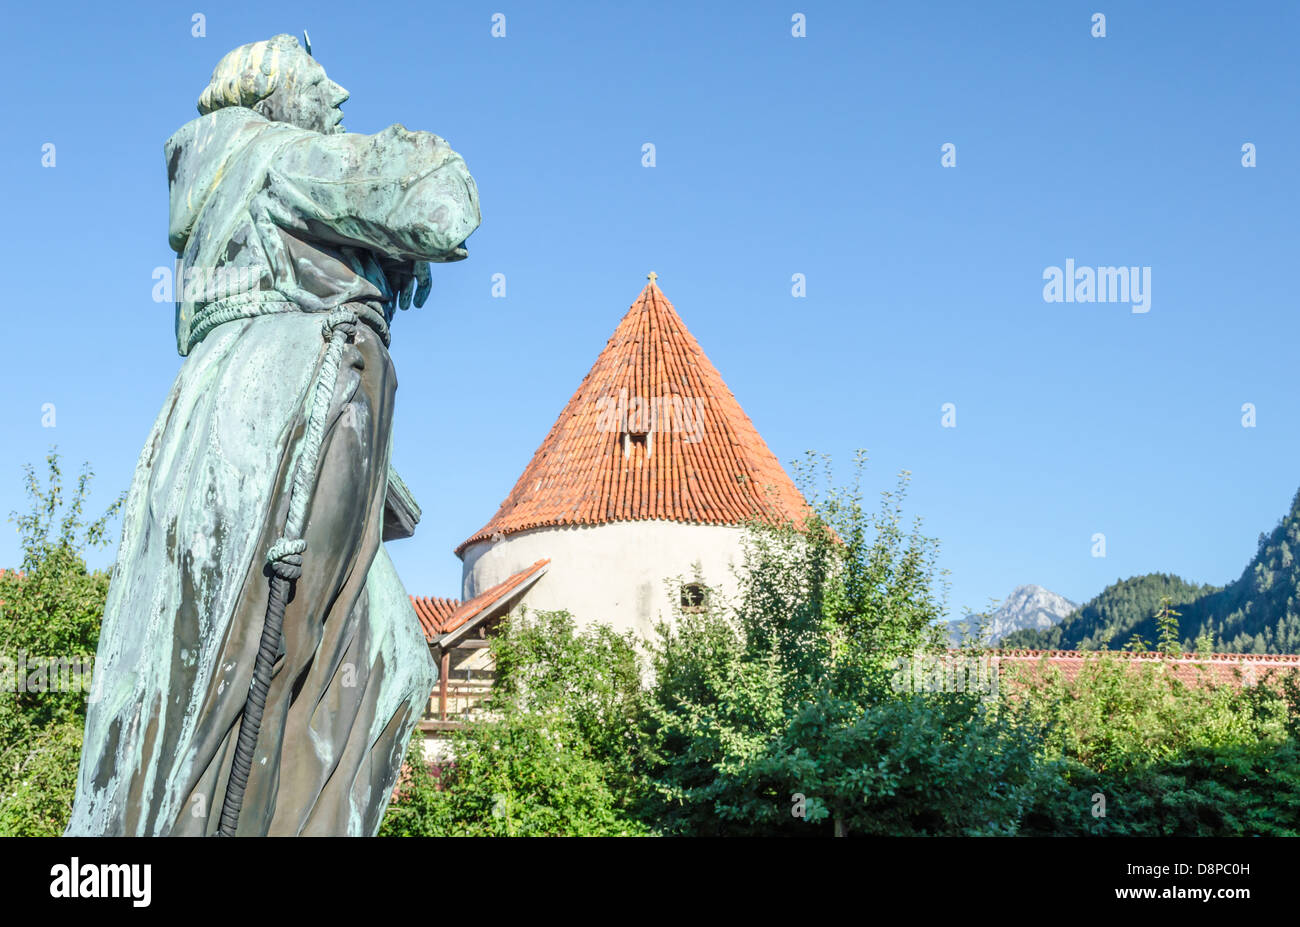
[585,474]
[442,616]
[434,613]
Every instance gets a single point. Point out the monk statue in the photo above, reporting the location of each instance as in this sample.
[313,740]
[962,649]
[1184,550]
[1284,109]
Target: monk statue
[261,669]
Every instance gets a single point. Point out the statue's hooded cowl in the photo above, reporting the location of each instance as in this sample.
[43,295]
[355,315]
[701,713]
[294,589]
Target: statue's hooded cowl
[276,226]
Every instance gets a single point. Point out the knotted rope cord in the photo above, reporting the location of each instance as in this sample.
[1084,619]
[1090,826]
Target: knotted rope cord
[260,302]
[285,561]
[230,309]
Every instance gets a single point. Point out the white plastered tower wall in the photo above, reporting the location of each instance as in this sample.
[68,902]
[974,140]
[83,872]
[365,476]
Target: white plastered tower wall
[623,574]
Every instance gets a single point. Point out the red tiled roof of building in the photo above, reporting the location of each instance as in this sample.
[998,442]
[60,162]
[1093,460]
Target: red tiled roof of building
[442,616]
[434,613]
[585,473]
[1217,668]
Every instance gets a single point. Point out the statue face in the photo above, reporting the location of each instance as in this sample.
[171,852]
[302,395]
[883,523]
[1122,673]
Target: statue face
[308,99]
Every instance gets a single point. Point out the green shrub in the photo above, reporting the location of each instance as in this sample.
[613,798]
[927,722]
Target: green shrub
[41,781]
[523,775]
[553,754]
[788,693]
[53,609]
[1168,759]
[935,764]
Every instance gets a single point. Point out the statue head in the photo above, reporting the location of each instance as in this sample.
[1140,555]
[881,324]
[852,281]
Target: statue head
[278,80]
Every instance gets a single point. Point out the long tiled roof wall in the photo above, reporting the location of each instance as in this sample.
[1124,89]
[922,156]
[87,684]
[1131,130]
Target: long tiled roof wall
[1216,668]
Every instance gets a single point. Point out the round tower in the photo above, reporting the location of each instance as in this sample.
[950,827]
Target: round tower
[651,471]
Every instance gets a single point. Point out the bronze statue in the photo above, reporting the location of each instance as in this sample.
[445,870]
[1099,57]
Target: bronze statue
[261,669]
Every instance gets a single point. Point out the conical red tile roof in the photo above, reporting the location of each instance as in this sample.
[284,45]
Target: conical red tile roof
[701,462]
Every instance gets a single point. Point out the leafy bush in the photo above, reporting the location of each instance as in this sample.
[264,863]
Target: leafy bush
[52,609]
[938,764]
[1117,715]
[523,775]
[789,693]
[552,756]
[1168,759]
[1205,791]
[41,781]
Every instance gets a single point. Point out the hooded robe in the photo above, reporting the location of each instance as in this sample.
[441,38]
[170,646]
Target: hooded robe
[275,226]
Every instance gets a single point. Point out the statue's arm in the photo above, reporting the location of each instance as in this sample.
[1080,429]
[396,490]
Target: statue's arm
[404,195]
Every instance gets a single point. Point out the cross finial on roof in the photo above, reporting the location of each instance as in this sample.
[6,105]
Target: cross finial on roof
[652,276]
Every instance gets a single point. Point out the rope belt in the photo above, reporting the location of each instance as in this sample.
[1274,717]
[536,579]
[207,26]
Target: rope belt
[261,302]
[285,556]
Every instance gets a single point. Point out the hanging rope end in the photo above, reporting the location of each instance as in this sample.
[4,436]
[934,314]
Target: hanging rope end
[285,558]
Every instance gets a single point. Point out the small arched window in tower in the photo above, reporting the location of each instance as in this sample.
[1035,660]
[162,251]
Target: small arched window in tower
[695,597]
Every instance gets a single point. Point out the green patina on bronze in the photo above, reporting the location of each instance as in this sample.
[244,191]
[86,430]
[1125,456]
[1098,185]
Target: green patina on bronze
[297,223]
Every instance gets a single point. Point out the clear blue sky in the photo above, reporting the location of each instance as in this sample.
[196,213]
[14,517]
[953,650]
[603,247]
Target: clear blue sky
[775,155]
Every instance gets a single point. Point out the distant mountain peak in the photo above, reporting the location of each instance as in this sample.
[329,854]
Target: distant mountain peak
[1028,606]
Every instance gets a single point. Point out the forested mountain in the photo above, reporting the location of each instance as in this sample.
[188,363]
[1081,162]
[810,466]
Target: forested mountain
[1257,613]
[1111,618]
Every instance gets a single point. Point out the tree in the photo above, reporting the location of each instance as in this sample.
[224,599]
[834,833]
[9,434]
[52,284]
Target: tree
[1167,623]
[50,610]
[791,692]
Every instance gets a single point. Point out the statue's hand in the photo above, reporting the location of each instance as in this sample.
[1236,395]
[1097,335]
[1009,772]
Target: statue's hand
[417,285]
[424,283]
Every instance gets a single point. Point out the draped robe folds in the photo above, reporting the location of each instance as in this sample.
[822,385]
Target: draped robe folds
[310,220]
